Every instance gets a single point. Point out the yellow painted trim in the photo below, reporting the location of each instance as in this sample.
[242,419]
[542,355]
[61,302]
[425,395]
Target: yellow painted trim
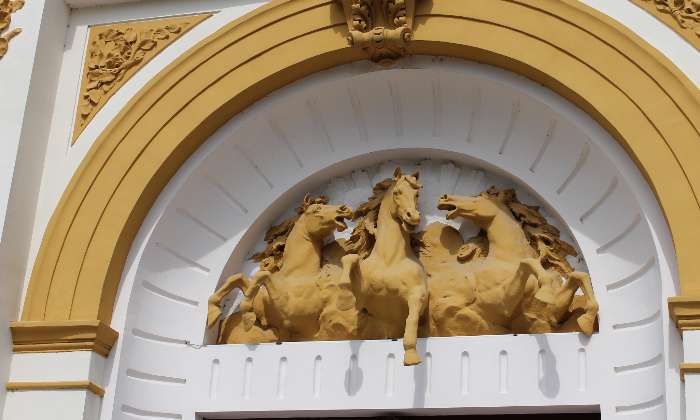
[58,385]
[685,312]
[96,91]
[689,368]
[45,337]
[633,91]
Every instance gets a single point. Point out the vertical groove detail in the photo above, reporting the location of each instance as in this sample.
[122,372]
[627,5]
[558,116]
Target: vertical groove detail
[351,385]
[247,377]
[389,375]
[317,376]
[515,111]
[464,379]
[540,364]
[428,373]
[503,372]
[582,369]
[582,158]
[281,377]
[547,141]
[214,378]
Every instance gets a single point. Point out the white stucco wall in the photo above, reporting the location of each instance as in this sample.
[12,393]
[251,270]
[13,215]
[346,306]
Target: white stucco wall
[28,80]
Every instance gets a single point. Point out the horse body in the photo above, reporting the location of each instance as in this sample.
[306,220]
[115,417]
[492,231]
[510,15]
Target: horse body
[294,298]
[513,290]
[390,281]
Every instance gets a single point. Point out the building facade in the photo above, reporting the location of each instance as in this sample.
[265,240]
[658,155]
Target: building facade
[220,209]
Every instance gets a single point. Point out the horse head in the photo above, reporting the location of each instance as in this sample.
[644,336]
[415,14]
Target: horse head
[480,210]
[321,219]
[404,195]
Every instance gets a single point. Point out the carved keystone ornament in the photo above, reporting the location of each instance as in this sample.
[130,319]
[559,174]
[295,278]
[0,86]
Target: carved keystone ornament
[381,28]
[389,281]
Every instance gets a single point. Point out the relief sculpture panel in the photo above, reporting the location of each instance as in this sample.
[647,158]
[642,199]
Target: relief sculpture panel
[392,279]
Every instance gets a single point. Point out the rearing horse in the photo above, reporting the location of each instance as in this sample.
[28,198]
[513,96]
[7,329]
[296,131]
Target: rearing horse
[389,281]
[512,274]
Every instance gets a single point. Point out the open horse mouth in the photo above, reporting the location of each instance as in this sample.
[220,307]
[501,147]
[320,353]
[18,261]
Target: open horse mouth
[451,208]
[340,223]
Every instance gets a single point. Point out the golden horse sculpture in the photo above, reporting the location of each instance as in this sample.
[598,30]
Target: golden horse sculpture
[509,289]
[387,282]
[299,290]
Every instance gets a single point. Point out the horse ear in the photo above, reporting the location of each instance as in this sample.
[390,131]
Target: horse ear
[416,175]
[397,172]
[307,199]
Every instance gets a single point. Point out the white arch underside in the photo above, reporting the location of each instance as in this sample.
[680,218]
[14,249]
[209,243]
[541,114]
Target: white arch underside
[216,209]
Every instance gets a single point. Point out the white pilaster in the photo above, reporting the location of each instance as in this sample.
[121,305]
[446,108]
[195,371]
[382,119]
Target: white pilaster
[43,372]
[691,354]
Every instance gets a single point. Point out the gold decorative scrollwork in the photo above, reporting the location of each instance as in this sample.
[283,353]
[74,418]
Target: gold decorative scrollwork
[116,52]
[381,28]
[683,16]
[7,8]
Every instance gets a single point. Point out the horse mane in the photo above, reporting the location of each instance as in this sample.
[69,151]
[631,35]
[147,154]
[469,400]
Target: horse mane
[362,237]
[543,237]
[270,258]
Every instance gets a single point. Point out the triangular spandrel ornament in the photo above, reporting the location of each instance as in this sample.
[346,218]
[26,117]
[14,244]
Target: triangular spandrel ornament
[115,52]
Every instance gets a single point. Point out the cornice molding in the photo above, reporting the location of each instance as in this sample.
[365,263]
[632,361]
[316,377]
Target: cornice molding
[686,368]
[7,8]
[115,52]
[57,385]
[683,16]
[33,337]
[685,312]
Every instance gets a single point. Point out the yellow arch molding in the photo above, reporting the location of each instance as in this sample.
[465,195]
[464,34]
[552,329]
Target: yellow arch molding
[628,87]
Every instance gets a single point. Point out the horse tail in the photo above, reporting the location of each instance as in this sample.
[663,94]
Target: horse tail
[237,281]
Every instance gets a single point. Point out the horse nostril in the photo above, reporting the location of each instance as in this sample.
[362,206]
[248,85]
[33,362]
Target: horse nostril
[444,197]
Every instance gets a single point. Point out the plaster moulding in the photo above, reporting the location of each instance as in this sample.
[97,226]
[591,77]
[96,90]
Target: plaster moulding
[381,28]
[7,8]
[115,52]
[29,337]
[685,312]
[57,385]
[683,16]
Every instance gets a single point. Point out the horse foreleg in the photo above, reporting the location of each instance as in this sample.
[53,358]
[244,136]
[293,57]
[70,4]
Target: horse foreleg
[251,292]
[416,302]
[586,321]
[348,262]
[515,290]
[237,281]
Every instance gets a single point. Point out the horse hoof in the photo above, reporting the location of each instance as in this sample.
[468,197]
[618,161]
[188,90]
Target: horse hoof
[411,358]
[586,323]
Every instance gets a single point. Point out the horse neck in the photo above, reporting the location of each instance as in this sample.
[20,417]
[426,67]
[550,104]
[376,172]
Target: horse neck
[302,253]
[507,239]
[392,242]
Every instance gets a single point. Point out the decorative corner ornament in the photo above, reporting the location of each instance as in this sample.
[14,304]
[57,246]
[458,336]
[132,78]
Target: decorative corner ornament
[683,16]
[115,52]
[381,28]
[7,8]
